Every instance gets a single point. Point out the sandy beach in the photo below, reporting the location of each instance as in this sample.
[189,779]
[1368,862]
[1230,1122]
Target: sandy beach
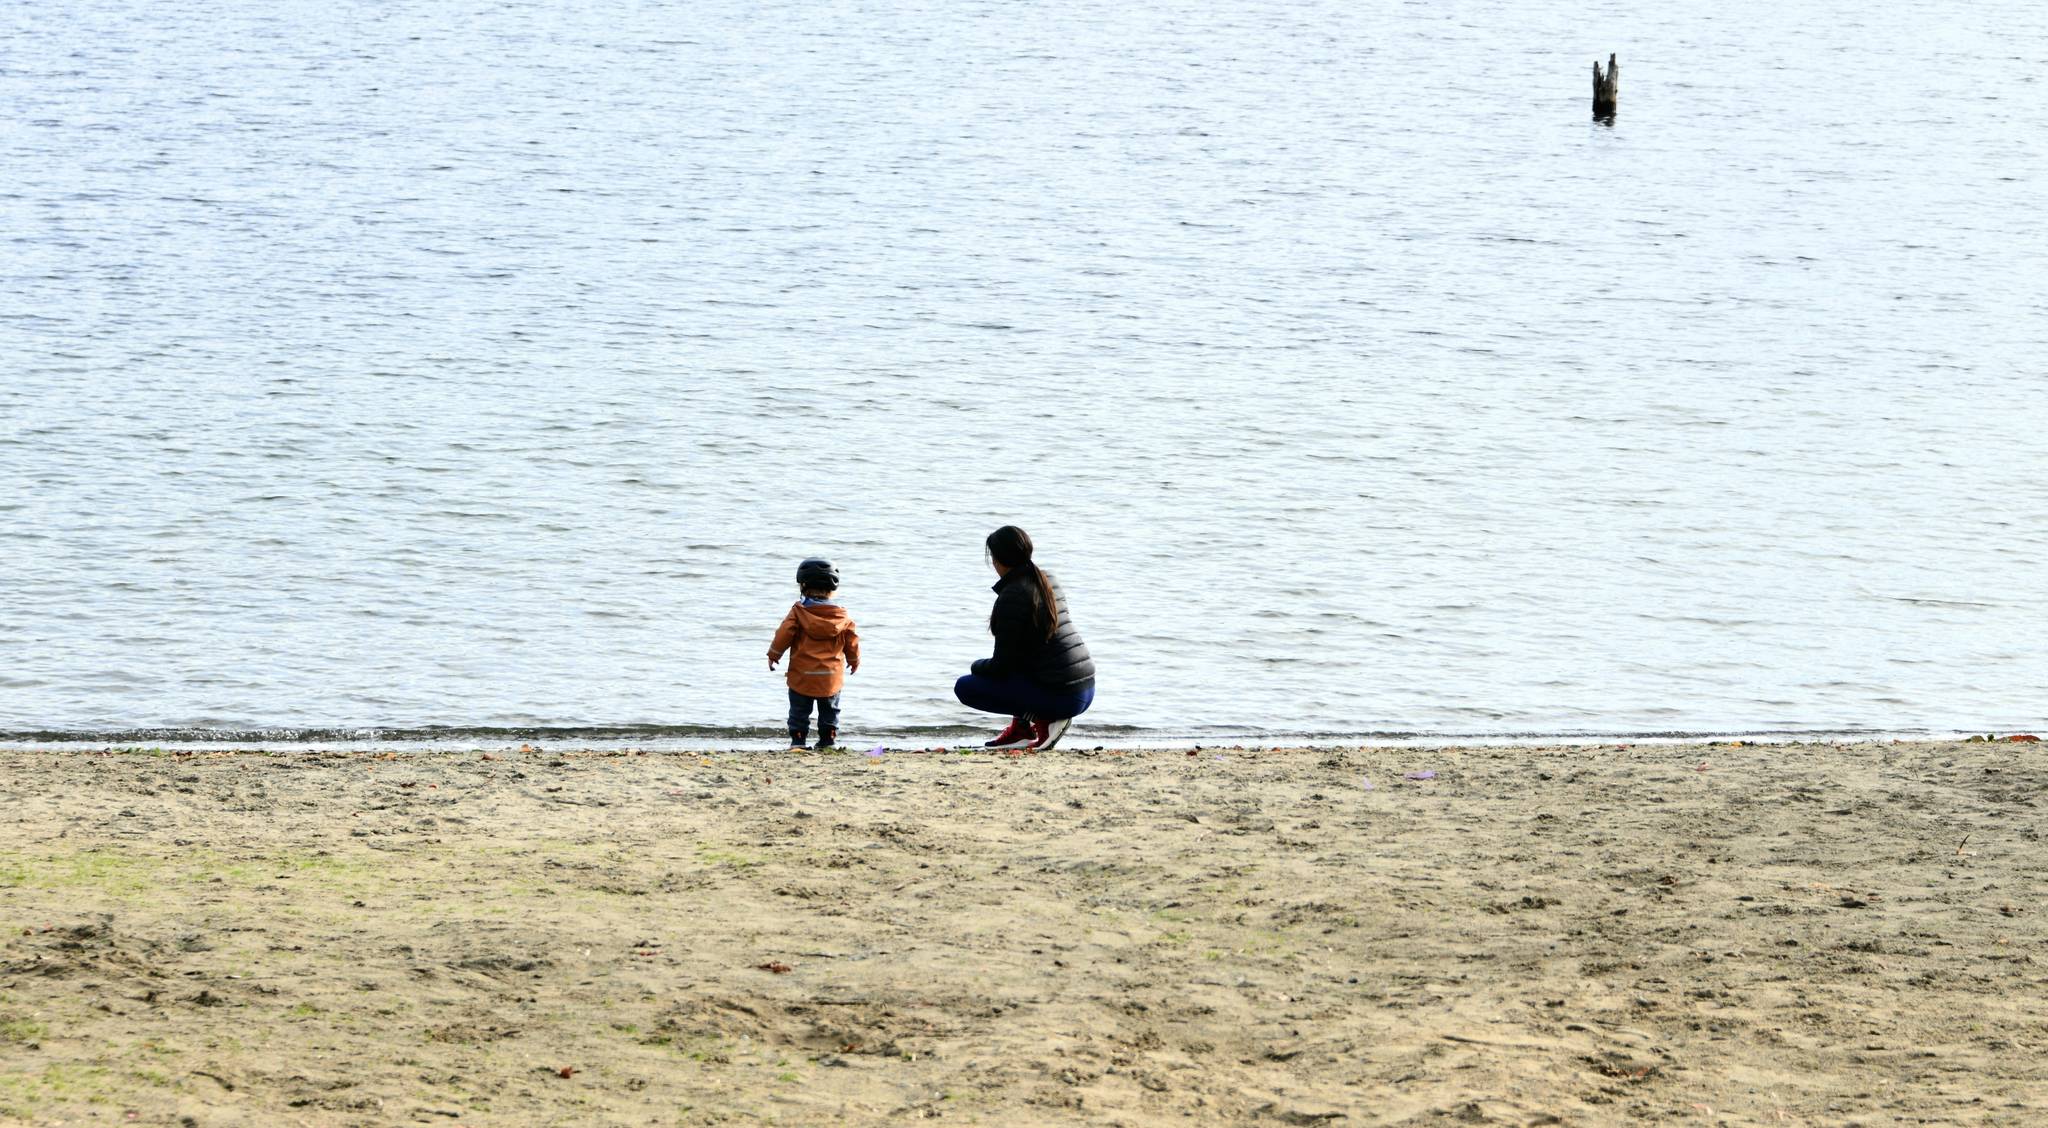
[1713,934]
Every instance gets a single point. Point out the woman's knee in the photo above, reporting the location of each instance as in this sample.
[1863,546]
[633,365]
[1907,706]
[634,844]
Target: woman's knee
[1071,707]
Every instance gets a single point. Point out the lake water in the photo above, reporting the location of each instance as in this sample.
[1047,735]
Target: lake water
[491,365]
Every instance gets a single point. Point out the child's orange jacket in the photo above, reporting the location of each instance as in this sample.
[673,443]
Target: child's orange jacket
[826,648]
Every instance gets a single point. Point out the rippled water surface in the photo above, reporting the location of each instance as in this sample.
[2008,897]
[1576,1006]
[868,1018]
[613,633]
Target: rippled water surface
[493,364]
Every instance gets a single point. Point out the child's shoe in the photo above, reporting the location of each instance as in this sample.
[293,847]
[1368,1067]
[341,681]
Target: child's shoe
[828,738]
[1045,734]
[1018,735]
[796,740]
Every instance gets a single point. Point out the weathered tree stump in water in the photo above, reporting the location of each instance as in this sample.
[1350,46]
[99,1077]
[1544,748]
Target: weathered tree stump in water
[1605,87]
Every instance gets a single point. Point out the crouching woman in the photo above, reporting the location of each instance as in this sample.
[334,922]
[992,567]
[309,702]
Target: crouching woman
[1040,674]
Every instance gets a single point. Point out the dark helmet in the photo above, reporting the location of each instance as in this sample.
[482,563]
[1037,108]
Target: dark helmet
[818,572]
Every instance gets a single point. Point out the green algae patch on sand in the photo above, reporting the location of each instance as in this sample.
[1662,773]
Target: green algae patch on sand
[22,1030]
[117,869]
[110,871]
[354,875]
[26,1094]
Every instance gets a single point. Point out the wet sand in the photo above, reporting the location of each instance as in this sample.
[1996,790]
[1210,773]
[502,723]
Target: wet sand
[1713,934]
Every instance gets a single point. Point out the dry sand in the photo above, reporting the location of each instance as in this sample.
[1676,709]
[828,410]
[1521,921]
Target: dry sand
[1817,934]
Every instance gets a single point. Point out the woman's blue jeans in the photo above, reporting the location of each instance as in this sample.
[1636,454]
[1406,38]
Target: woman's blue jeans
[1021,697]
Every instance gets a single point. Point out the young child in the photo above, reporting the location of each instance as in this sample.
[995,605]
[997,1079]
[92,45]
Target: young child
[823,648]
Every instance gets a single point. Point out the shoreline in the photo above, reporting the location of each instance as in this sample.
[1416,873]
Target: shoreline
[944,740]
[1706,932]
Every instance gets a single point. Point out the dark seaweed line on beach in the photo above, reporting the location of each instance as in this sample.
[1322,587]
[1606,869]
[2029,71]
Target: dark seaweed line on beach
[655,734]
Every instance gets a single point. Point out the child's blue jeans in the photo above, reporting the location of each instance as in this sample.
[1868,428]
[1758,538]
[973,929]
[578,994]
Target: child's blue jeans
[800,712]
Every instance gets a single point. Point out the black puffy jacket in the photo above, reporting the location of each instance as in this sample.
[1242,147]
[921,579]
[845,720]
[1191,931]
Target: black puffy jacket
[1018,622]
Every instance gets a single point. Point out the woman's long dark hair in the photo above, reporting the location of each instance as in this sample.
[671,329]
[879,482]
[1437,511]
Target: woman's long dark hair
[1010,546]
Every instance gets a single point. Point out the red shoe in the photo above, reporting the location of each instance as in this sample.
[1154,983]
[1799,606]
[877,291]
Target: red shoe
[1018,735]
[1045,734]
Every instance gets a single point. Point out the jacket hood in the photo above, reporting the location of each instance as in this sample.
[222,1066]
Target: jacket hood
[823,620]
